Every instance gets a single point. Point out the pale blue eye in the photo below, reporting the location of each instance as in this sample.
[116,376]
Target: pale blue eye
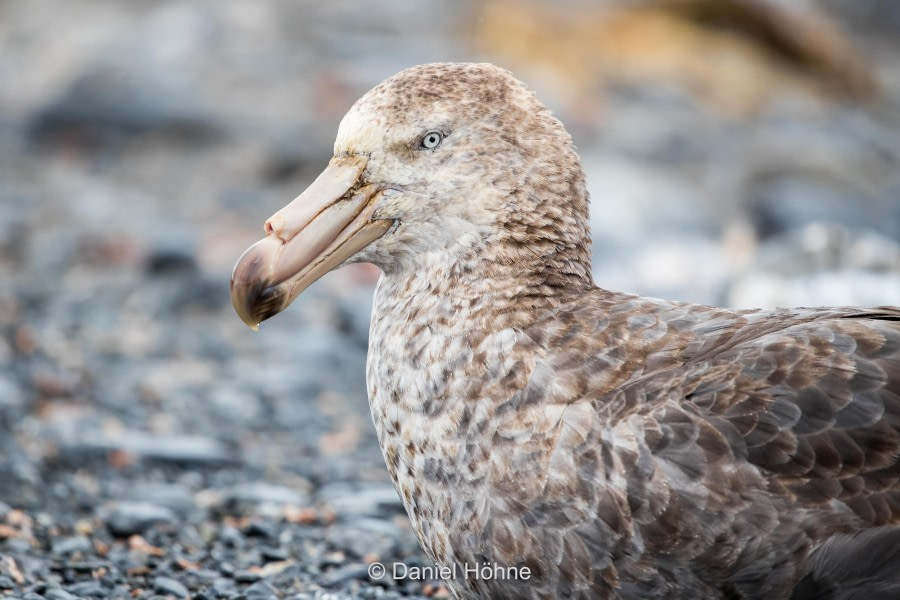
[432,140]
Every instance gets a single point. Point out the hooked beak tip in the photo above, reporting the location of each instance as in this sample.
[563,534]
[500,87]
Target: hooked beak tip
[255,302]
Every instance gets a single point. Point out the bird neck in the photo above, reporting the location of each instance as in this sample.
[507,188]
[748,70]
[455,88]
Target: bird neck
[535,251]
[502,285]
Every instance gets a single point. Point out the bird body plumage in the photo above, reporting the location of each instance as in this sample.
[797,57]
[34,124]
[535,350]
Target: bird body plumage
[617,446]
[626,447]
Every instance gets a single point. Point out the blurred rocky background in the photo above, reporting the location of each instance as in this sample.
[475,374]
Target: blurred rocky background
[739,152]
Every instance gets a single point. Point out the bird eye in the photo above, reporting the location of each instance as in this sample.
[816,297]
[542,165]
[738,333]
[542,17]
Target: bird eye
[432,140]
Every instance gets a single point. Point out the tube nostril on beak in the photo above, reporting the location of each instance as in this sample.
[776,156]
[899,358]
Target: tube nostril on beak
[275,224]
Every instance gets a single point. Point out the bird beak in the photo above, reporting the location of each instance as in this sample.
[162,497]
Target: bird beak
[325,225]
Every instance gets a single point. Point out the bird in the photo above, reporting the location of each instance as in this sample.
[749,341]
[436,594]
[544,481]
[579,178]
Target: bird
[593,443]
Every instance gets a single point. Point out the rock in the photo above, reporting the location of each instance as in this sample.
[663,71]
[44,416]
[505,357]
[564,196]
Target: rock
[836,288]
[261,590]
[6,583]
[371,499]
[129,518]
[781,202]
[71,545]
[343,574]
[260,492]
[261,529]
[174,496]
[820,265]
[170,587]
[111,102]
[58,594]
[179,449]
[232,538]
[171,261]
[353,315]
[198,578]
[869,16]
[224,588]
[10,395]
[363,536]
[90,589]
[246,576]
[270,554]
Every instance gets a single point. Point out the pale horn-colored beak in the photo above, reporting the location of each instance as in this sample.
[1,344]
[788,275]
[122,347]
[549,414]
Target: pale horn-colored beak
[325,225]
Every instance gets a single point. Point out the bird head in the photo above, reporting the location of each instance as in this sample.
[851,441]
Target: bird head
[441,163]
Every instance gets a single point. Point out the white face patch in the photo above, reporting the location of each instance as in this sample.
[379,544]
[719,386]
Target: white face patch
[369,127]
[361,131]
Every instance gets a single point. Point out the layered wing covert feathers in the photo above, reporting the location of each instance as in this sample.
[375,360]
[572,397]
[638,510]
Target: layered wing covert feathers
[692,452]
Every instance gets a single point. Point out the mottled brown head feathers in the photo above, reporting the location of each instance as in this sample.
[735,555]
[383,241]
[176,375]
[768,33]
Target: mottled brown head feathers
[507,168]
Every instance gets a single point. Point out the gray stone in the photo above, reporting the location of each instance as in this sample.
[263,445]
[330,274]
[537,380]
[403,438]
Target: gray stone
[180,449]
[169,587]
[128,518]
[358,500]
[91,589]
[71,545]
[261,590]
[259,492]
[343,574]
